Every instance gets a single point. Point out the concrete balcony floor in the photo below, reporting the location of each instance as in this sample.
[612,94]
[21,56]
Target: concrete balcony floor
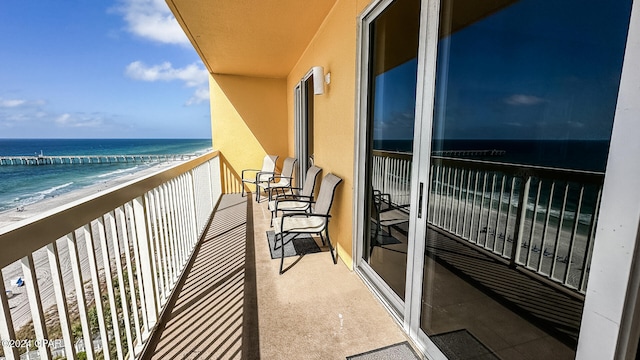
[232,304]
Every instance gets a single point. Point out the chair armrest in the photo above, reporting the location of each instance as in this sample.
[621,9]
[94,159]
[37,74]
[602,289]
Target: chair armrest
[260,173]
[243,171]
[280,177]
[308,203]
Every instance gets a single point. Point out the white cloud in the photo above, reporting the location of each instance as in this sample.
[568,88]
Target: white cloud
[194,76]
[525,100]
[9,103]
[79,120]
[201,95]
[152,20]
[14,103]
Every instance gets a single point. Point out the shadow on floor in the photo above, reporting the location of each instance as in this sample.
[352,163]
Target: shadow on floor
[214,313]
[553,311]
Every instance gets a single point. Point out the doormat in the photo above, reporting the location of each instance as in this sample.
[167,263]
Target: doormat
[461,344]
[293,245]
[400,351]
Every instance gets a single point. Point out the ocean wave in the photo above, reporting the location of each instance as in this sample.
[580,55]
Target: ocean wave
[116,172]
[41,195]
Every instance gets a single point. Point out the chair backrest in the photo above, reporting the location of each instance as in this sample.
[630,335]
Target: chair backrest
[269,163]
[327,191]
[268,166]
[309,185]
[287,170]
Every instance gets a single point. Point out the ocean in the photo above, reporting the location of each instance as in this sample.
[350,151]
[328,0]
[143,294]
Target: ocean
[22,185]
[588,155]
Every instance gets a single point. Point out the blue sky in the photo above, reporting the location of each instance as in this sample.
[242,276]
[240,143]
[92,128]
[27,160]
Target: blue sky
[99,69]
[533,70]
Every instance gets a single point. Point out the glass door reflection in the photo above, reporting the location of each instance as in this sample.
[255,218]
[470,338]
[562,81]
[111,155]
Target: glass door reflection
[391,116]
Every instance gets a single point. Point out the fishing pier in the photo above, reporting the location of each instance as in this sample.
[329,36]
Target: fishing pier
[89,159]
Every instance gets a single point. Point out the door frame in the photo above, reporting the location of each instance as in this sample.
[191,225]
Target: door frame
[610,321]
[398,308]
[301,127]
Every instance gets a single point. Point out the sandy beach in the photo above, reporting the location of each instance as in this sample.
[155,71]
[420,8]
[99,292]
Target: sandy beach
[18,303]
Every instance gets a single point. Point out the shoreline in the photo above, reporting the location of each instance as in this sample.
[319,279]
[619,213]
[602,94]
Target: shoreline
[11,216]
[18,302]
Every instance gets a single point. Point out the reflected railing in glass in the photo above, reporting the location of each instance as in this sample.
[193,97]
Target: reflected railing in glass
[539,218]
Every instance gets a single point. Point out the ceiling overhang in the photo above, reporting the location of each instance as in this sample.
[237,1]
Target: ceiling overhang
[250,38]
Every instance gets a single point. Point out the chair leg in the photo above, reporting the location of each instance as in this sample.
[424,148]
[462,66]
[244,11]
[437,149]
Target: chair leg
[322,238]
[281,252]
[257,193]
[243,189]
[331,247]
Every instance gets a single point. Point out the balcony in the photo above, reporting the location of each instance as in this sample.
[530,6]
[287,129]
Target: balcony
[183,271]
[508,245]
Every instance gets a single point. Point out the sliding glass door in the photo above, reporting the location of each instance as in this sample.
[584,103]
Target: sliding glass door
[484,134]
[388,144]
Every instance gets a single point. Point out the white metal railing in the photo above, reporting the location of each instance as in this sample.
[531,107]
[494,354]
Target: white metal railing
[391,174]
[542,219]
[100,270]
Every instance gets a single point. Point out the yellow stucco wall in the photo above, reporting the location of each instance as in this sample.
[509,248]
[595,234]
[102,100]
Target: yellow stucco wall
[254,116]
[334,48]
[248,120]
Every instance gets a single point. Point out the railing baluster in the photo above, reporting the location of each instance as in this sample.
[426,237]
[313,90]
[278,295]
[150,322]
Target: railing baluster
[162,249]
[436,210]
[35,303]
[431,202]
[6,324]
[559,233]
[481,210]
[448,202]
[95,281]
[590,238]
[145,268]
[533,225]
[498,216]
[523,200]
[572,241]
[466,203]
[114,222]
[72,245]
[546,225]
[166,220]
[122,216]
[193,210]
[61,301]
[473,206]
[180,220]
[491,191]
[459,203]
[152,231]
[106,259]
[506,223]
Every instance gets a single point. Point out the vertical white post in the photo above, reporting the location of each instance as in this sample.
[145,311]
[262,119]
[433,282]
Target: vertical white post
[106,259]
[61,302]
[97,297]
[121,220]
[122,215]
[80,297]
[146,266]
[111,222]
[35,305]
[6,324]
[134,223]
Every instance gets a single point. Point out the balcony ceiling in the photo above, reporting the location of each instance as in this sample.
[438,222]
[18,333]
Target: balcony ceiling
[253,38]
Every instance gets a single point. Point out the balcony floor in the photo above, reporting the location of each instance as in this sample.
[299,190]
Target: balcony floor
[233,304]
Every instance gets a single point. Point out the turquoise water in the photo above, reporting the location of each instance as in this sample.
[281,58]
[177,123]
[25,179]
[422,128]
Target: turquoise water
[22,185]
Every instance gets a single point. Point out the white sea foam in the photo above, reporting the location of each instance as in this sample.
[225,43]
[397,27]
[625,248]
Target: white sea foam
[40,195]
[117,172]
